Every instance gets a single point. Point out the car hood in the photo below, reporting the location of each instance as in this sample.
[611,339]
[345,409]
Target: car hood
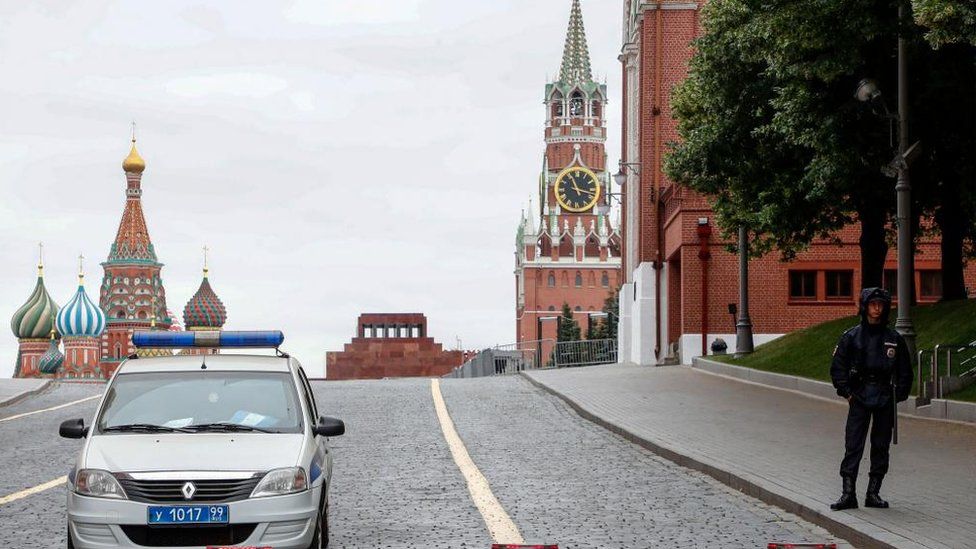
[192,452]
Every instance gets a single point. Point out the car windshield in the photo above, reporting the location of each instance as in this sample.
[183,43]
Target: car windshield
[201,401]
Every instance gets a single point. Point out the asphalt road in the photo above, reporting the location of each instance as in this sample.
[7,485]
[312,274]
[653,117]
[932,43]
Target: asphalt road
[561,479]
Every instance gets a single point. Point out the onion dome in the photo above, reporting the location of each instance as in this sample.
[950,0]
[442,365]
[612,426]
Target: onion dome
[51,361]
[204,310]
[33,320]
[133,163]
[80,317]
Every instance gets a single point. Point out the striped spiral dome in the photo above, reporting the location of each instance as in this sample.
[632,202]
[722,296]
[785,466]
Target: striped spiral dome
[52,360]
[34,318]
[80,317]
[204,310]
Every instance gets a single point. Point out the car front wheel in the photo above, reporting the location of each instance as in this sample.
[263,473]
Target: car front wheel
[320,539]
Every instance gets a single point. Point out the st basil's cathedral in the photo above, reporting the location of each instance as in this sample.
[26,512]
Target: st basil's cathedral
[83,340]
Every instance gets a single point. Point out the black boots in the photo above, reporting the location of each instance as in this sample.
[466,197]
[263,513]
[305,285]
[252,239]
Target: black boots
[848,500]
[872,499]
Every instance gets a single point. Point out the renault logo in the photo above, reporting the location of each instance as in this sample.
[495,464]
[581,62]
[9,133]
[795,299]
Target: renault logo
[188,490]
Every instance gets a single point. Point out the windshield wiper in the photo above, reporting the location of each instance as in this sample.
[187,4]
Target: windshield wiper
[227,427]
[145,427]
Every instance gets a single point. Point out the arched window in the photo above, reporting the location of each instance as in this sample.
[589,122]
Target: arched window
[565,279]
[120,313]
[605,280]
[142,315]
[595,112]
[578,308]
[552,280]
[591,279]
[557,105]
[552,308]
[118,350]
[579,279]
[576,104]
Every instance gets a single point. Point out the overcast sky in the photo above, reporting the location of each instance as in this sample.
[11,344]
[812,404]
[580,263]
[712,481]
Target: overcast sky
[337,156]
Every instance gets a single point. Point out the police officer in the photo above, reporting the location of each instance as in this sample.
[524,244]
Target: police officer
[872,369]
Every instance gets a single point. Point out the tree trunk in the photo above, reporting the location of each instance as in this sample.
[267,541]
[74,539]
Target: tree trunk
[951,224]
[874,248]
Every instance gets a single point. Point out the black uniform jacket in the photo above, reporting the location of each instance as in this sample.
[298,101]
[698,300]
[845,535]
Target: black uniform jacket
[869,379]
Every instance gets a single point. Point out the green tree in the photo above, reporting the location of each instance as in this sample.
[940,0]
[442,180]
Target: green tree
[606,327]
[947,21]
[569,329]
[783,146]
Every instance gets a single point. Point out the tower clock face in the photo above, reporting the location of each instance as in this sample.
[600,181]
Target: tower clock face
[577,189]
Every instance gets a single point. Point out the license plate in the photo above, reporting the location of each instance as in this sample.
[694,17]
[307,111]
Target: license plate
[189,514]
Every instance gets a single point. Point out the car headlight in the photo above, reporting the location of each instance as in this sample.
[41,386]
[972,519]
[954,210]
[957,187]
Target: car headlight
[279,482]
[99,484]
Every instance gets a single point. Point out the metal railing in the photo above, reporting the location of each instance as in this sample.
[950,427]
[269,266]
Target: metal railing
[941,359]
[587,352]
[537,354]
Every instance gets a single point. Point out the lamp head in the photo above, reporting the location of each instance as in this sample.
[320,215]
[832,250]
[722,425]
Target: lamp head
[867,90]
[620,177]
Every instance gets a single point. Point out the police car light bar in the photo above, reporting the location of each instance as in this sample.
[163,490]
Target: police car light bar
[256,339]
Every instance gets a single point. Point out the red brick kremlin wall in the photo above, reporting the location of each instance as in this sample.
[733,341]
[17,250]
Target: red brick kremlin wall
[668,214]
[391,345]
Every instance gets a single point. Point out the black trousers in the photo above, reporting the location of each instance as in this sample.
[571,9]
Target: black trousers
[859,418]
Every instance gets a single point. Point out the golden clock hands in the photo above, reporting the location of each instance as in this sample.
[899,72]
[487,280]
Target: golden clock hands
[581,191]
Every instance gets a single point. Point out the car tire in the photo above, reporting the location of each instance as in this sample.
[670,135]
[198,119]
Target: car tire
[321,537]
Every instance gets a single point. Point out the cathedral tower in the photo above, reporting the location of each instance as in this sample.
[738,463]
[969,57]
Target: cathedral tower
[132,291]
[32,325]
[568,252]
[81,324]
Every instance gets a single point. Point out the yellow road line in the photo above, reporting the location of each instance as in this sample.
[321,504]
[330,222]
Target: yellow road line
[30,491]
[499,524]
[58,407]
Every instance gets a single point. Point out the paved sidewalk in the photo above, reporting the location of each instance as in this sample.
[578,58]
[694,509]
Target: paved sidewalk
[785,448]
[13,390]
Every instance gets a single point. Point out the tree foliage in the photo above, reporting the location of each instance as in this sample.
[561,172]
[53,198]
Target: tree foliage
[770,128]
[947,21]
[569,329]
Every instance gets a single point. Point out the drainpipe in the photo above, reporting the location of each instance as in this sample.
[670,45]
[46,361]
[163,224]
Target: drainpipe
[656,112]
[704,232]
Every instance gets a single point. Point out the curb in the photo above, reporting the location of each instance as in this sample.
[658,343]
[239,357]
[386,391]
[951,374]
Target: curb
[941,410]
[24,394]
[748,486]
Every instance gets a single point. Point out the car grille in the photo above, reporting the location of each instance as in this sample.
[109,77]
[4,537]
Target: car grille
[171,491]
[188,536]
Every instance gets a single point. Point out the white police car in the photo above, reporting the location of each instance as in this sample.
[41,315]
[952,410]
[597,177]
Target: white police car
[210,451]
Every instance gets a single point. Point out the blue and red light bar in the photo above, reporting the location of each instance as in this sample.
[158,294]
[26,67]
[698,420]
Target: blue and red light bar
[270,339]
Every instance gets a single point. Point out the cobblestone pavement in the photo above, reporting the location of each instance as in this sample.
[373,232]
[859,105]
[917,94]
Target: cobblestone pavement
[31,453]
[395,484]
[566,480]
[561,478]
[789,445]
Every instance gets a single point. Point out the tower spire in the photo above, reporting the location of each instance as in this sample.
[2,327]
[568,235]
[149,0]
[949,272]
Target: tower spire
[40,259]
[206,269]
[81,268]
[575,68]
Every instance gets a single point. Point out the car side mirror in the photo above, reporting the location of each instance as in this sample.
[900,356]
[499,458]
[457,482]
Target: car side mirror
[73,428]
[329,427]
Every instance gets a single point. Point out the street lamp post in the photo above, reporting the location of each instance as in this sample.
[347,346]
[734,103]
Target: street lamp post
[868,90]
[743,327]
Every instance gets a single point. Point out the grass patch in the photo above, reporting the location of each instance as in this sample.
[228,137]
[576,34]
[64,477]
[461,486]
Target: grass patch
[807,353]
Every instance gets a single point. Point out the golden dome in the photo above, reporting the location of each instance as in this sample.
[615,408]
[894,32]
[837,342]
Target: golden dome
[133,163]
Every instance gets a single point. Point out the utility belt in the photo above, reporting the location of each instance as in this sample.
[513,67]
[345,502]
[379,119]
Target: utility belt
[859,377]
[876,379]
